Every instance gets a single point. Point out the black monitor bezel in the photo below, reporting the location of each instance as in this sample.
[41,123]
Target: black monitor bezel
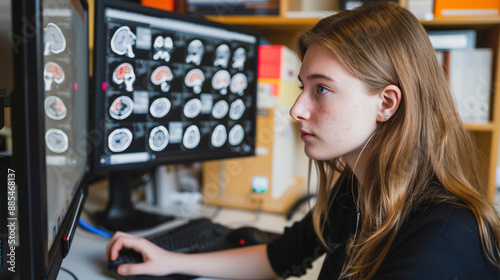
[98,74]
[35,259]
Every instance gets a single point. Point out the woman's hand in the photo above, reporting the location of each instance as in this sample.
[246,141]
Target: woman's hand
[157,261]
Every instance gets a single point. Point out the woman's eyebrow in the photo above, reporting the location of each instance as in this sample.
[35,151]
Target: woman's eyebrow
[315,76]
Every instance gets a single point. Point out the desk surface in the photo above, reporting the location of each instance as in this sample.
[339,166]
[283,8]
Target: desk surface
[87,259]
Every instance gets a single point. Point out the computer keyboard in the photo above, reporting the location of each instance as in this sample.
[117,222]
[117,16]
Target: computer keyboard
[200,235]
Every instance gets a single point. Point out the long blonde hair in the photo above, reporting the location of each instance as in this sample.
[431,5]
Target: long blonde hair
[424,141]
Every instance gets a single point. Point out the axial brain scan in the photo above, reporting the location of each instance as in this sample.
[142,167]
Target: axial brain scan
[55,108]
[121,108]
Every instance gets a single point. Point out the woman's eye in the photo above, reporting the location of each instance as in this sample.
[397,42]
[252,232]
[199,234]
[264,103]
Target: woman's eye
[322,90]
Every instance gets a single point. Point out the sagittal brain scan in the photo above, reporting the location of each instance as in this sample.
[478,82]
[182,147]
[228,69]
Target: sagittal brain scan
[162,76]
[124,74]
[221,81]
[122,42]
[52,74]
[54,39]
[172,87]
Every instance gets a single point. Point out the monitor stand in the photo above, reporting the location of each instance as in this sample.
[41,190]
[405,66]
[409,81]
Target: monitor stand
[120,214]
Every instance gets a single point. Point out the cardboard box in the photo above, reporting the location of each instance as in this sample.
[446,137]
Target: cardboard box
[264,182]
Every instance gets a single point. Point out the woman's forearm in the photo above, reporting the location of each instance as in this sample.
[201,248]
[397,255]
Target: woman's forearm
[241,263]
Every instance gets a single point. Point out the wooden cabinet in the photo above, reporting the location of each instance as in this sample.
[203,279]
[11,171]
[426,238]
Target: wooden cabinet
[281,30]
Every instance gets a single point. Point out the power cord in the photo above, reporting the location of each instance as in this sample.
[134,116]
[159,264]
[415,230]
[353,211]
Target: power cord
[69,272]
[93,229]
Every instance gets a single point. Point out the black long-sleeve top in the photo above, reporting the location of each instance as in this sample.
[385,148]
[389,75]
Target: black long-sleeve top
[440,241]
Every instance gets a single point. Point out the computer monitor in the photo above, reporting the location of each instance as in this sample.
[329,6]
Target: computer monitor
[169,89]
[49,111]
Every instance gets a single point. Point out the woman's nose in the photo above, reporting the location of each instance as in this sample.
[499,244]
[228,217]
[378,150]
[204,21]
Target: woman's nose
[299,110]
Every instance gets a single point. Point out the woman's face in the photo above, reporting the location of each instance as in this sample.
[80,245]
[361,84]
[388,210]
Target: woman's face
[337,114]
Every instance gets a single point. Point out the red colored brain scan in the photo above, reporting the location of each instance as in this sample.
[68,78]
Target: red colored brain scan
[194,79]
[221,80]
[162,76]
[52,73]
[124,73]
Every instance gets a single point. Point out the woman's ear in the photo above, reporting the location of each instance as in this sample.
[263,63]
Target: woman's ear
[389,97]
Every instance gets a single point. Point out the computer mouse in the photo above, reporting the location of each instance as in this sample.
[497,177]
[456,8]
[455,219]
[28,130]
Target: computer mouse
[246,236]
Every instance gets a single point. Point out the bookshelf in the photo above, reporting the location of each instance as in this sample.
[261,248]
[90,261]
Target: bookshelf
[281,30]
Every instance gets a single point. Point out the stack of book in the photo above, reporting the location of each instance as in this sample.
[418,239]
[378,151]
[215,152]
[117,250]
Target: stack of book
[469,70]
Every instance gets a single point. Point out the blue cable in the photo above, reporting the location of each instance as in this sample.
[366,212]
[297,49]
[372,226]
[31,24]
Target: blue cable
[93,229]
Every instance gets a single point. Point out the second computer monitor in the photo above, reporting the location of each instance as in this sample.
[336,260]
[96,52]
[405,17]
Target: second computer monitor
[170,88]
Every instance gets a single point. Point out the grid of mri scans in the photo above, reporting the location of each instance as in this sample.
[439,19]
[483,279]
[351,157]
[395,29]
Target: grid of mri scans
[174,87]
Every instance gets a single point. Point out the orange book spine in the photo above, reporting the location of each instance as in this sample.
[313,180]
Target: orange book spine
[168,5]
[466,8]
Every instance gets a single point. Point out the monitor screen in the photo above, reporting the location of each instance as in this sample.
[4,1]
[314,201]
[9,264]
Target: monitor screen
[50,128]
[65,75]
[171,88]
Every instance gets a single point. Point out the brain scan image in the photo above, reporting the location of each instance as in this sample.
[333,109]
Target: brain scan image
[236,135]
[220,109]
[239,58]
[124,73]
[239,83]
[52,73]
[191,137]
[56,140]
[158,138]
[121,108]
[160,107]
[237,109]
[195,79]
[162,76]
[219,136]
[195,51]
[54,40]
[122,42]
[221,80]
[192,108]
[163,47]
[55,108]
[222,54]
[119,140]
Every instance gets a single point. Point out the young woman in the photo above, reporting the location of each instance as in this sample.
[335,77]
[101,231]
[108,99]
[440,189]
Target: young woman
[400,193]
